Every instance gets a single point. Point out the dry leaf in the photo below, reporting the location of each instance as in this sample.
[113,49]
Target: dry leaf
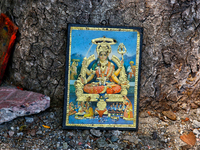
[169,114]
[48,127]
[186,119]
[190,138]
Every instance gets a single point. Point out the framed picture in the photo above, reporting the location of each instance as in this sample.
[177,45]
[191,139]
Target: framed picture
[102,77]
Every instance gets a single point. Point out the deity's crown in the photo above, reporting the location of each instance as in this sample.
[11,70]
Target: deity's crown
[103,44]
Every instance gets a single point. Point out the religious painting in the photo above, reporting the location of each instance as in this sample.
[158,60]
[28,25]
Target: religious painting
[102,77]
[8,32]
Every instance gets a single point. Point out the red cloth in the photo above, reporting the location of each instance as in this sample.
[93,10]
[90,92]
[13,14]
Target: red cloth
[8,32]
[115,88]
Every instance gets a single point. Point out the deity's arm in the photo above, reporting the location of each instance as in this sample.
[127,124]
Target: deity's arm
[90,77]
[115,79]
[88,72]
[117,71]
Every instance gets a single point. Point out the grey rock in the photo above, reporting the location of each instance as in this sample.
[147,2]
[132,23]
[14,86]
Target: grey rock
[101,143]
[11,133]
[113,146]
[154,135]
[58,144]
[39,132]
[114,138]
[196,131]
[86,132]
[52,115]
[132,139]
[196,124]
[29,119]
[96,133]
[198,111]
[32,103]
[65,145]
[20,134]
[72,144]
[143,114]
[116,132]
[107,135]
[67,139]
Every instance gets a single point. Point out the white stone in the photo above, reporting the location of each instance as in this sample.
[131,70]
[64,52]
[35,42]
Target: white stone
[20,134]
[65,145]
[184,106]
[29,119]
[58,144]
[198,111]
[173,1]
[196,131]
[196,124]
[11,133]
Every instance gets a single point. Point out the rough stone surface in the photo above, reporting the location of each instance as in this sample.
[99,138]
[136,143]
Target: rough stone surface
[15,103]
[170,55]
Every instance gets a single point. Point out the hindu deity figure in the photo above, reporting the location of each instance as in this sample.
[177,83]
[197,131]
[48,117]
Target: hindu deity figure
[128,112]
[73,69]
[72,109]
[88,110]
[131,71]
[102,75]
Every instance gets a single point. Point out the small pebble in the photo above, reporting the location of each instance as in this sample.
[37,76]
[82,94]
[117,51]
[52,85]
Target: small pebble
[196,124]
[20,134]
[29,119]
[196,131]
[154,135]
[11,133]
[58,144]
[96,133]
[101,143]
[33,132]
[114,138]
[52,115]
[39,132]
[116,133]
[65,145]
[5,135]
[113,146]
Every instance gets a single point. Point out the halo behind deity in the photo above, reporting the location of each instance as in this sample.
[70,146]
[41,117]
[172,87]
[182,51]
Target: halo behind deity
[103,44]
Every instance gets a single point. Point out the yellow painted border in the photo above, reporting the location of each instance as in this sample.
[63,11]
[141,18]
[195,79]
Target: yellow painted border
[136,80]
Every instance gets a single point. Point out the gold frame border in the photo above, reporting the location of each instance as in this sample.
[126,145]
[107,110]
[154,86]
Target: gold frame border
[136,79]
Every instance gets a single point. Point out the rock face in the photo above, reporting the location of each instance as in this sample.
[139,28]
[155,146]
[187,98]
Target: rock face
[170,55]
[15,103]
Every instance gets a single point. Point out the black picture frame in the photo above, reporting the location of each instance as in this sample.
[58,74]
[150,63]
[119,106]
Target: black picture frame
[107,101]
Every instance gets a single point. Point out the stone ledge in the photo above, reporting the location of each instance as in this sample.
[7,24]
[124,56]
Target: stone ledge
[15,102]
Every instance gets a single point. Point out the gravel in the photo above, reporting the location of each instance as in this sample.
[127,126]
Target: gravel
[22,134]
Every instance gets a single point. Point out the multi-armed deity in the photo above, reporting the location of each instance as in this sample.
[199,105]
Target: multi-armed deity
[104,81]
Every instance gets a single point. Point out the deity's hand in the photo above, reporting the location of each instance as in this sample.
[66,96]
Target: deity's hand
[96,68]
[122,63]
[84,62]
[92,71]
[83,80]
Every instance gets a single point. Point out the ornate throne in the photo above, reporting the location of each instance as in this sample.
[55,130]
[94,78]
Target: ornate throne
[124,83]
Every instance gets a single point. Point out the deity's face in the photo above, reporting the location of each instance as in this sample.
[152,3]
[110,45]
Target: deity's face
[103,56]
